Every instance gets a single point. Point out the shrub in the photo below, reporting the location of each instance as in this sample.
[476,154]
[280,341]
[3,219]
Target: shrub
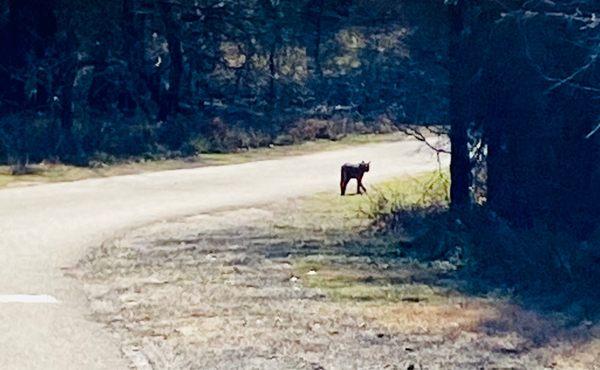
[311,129]
[429,191]
[222,138]
[25,137]
[383,125]
[539,263]
[550,268]
[283,139]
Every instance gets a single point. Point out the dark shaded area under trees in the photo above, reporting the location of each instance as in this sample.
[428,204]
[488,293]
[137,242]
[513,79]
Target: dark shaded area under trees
[527,90]
[524,114]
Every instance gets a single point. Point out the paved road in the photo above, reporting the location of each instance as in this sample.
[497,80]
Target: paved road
[48,227]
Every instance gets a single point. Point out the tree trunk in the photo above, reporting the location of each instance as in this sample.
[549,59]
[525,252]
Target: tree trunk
[275,41]
[66,147]
[460,166]
[144,89]
[170,102]
[272,76]
[30,29]
[318,38]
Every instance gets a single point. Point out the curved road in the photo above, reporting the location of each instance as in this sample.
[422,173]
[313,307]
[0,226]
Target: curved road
[49,227]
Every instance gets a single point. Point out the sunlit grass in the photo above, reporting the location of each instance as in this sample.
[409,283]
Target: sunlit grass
[355,281]
[419,190]
[347,276]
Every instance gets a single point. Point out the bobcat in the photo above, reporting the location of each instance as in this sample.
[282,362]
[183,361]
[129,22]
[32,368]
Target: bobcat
[354,171]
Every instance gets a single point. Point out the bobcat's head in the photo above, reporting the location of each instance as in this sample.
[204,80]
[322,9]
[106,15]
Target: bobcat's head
[364,166]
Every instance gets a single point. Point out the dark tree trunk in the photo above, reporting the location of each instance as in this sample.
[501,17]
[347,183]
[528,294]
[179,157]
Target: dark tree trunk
[460,166]
[30,29]
[32,23]
[275,41]
[318,37]
[170,101]
[31,26]
[540,168]
[272,76]
[15,48]
[143,90]
[66,147]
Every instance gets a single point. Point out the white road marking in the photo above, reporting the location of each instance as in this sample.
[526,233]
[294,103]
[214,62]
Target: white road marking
[27,298]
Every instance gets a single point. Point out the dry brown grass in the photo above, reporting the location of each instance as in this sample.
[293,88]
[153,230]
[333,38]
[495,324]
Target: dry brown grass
[299,285]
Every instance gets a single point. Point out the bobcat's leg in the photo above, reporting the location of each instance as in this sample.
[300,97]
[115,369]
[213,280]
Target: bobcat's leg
[343,181]
[343,185]
[360,187]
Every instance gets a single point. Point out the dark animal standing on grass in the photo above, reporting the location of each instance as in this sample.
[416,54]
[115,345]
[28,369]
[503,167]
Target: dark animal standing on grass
[354,171]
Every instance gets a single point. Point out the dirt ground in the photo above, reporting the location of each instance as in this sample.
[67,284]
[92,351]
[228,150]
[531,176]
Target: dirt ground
[302,284]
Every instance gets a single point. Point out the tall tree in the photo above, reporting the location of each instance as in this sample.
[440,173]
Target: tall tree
[541,81]
[274,40]
[25,71]
[170,101]
[314,14]
[460,166]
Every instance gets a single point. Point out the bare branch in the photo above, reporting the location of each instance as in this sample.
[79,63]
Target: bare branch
[557,81]
[573,75]
[417,134]
[593,131]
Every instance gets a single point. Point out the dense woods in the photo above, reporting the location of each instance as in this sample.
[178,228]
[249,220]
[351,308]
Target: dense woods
[516,84]
[133,77]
